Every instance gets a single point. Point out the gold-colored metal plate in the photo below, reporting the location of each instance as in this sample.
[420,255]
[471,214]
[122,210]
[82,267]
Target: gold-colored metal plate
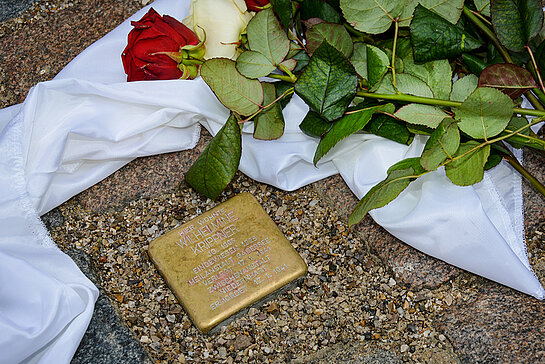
[225,260]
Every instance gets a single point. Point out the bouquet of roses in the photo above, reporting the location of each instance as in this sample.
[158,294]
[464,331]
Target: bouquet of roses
[453,71]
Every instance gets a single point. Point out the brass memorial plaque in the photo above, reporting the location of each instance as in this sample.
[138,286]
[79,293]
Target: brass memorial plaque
[225,260]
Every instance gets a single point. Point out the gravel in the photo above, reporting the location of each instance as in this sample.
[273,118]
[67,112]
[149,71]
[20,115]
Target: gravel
[349,296]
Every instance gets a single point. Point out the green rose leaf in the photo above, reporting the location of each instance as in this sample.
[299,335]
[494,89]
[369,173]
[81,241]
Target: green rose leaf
[283,9]
[442,144]
[266,36]
[288,64]
[347,125]
[435,74]
[302,59]
[371,16]
[434,37]
[468,169]
[319,9]
[294,49]
[493,159]
[335,34]
[269,124]
[328,84]
[463,87]
[218,163]
[474,63]
[450,10]
[419,114]
[236,92]
[389,128]
[516,22]
[377,64]
[419,129]
[313,125]
[516,140]
[359,59]
[281,88]
[483,6]
[485,113]
[509,78]
[254,64]
[399,64]
[404,52]
[404,48]
[406,84]
[400,175]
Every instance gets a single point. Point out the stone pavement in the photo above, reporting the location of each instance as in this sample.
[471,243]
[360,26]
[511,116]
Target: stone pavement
[12,8]
[368,297]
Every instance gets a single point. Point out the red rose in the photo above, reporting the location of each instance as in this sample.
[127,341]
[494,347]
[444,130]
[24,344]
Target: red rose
[256,5]
[146,56]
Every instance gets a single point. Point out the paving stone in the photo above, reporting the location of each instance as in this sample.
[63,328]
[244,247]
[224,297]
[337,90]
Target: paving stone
[53,219]
[411,267]
[496,325]
[534,212]
[107,339]
[351,354]
[142,178]
[11,8]
[46,42]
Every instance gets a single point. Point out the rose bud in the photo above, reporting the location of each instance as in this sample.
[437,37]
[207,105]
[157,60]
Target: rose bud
[256,5]
[161,48]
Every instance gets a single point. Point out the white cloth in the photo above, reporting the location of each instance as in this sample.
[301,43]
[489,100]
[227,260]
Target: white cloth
[77,129]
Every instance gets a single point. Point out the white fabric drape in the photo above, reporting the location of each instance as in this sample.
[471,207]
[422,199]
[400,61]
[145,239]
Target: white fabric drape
[88,122]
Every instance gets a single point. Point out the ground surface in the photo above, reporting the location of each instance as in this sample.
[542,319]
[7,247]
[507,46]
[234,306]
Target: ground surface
[368,298]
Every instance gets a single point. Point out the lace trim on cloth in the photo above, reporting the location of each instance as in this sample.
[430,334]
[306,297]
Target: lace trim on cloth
[519,207]
[196,136]
[515,220]
[14,137]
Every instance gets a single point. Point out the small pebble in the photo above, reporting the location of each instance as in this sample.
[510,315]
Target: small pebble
[392,282]
[242,342]
[253,311]
[273,308]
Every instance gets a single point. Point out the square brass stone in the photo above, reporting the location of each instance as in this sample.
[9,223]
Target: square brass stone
[225,260]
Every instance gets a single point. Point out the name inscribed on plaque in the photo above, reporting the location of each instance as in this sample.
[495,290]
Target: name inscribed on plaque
[225,260]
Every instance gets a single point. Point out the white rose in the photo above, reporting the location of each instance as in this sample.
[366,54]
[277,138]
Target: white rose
[223,21]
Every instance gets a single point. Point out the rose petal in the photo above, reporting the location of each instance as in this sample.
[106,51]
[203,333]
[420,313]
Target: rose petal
[134,73]
[164,73]
[256,5]
[146,48]
[187,34]
[147,19]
